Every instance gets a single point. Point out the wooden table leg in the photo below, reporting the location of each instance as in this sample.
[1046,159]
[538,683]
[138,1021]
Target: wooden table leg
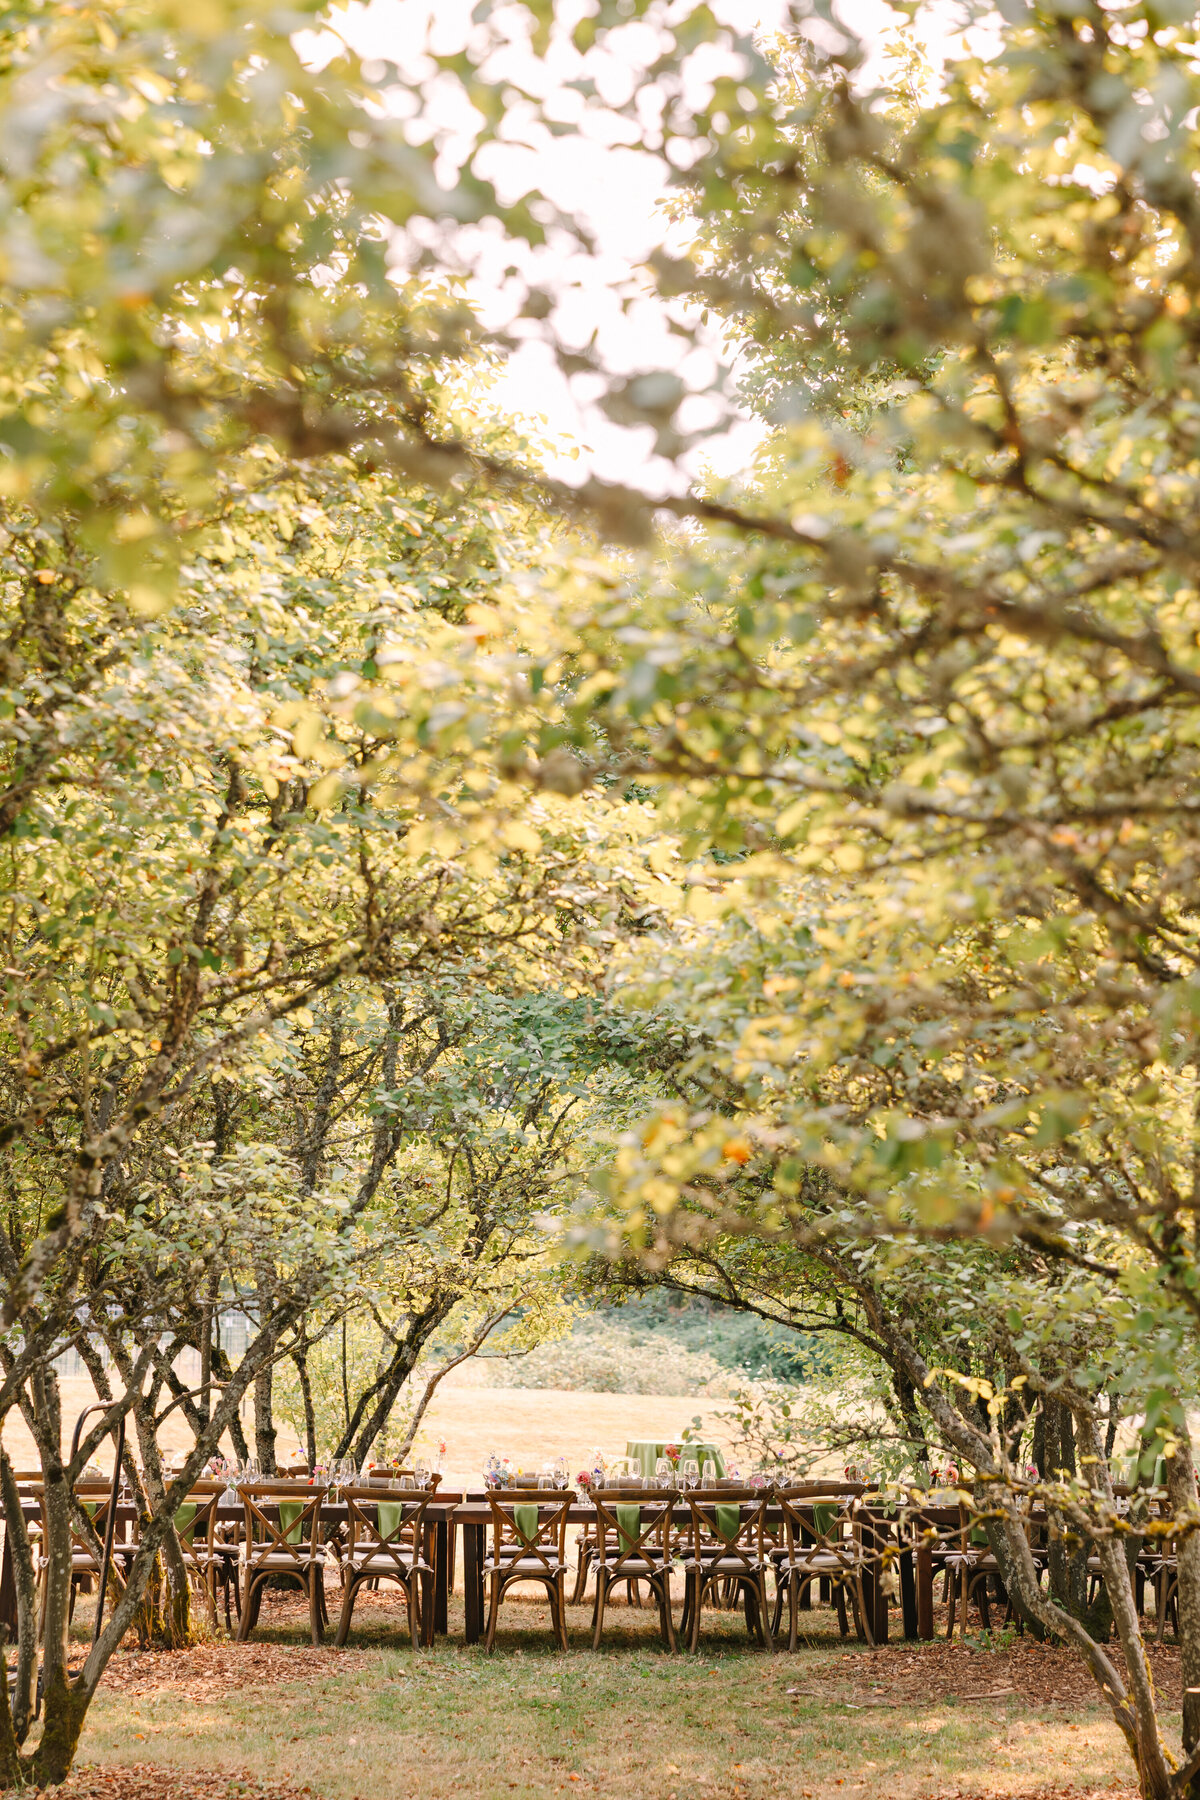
[441,1574]
[881,1613]
[924,1592]
[473,1537]
[429,1584]
[874,1598]
[908,1595]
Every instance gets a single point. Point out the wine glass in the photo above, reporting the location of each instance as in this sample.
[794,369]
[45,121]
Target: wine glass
[562,1470]
[689,1472]
[420,1472]
[708,1474]
[662,1472]
[546,1479]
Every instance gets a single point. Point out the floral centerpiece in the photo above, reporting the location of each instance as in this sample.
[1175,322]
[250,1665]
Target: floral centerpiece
[499,1473]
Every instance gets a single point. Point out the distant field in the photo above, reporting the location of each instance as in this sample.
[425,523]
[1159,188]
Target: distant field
[528,1424]
[531,1424]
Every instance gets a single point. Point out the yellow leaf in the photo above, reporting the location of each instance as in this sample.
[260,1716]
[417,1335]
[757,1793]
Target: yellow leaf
[308,733]
[519,836]
[848,858]
[323,793]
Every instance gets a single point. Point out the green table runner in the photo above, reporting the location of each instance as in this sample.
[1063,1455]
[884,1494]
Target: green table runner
[629,1523]
[391,1515]
[184,1518]
[289,1518]
[825,1516]
[646,1452]
[728,1520]
[525,1518]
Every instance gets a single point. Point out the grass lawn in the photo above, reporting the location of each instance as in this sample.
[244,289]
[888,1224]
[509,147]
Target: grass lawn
[378,1719]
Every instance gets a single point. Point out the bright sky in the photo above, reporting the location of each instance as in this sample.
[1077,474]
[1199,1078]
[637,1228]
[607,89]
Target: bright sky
[617,189]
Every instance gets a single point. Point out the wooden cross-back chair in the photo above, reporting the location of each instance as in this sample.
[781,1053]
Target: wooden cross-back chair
[385,1542]
[726,1545]
[290,1549]
[196,1528]
[969,1565]
[93,1495]
[822,1548]
[631,1542]
[529,1543]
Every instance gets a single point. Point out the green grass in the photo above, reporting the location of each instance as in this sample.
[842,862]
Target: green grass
[454,1724]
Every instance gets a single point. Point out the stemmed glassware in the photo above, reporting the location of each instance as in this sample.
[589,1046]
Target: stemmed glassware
[708,1474]
[664,1474]
[420,1472]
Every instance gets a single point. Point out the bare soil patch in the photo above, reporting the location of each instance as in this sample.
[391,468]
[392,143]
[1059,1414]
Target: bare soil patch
[1036,1675]
[1042,1793]
[145,1781]
[208,1673]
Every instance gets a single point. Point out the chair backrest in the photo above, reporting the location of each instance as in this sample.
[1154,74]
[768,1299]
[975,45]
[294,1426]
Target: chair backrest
[201,1503]
[815,1523]
[733,1517]
[386,1524]
[266,1537]
[621,1537]
[546,1542]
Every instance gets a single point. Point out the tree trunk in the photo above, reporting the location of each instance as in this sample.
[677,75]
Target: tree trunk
[264,1419]
[1185,1504]
[20,1716]
[300,1358]
[168,1622]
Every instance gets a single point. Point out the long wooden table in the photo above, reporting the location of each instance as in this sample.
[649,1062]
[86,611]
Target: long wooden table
[472,1515]
[449,1513]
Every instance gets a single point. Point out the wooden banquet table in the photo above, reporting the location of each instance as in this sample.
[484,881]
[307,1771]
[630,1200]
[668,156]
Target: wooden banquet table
[469,1513]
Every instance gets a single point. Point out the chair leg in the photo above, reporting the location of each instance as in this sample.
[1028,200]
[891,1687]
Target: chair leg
[598,1610]
[316,1601]
[662,1588]
[493,1612]
[839,1601]
[793,1612]
[559,1610]
[246,1622]
[581,1571]
[861,1602]
[347,1612]
[779,1596]
[697,1607]
[414,1611]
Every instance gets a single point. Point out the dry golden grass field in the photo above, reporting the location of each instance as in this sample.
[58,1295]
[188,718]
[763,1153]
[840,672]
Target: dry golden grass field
[528,1424]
